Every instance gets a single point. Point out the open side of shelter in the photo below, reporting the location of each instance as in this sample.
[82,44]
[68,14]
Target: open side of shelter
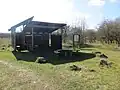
[36,34]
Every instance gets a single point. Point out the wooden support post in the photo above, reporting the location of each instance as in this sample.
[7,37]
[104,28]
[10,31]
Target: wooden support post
[14,39]
[71,53]
[79,40]
[66,53]
[11,38]
[49,40]
[32,39]
[73,42]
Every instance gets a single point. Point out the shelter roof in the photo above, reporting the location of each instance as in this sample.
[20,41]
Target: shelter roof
[38,25]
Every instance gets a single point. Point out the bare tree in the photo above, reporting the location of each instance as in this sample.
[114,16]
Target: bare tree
[79,28]
[91,35]
[65,33]
[110,30]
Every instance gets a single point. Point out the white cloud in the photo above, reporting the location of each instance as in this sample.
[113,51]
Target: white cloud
[14,11]
[96,2]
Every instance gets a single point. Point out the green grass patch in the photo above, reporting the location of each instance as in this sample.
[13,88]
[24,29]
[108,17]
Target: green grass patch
[30,75]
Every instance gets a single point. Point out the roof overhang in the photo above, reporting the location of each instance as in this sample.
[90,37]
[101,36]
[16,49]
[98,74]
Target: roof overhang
[43,26]
[38,26]
[25,22]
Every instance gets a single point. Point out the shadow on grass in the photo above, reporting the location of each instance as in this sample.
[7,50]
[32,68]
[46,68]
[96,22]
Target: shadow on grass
[53,58]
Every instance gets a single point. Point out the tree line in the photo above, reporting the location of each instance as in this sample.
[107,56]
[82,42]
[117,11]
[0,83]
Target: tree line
[107,32]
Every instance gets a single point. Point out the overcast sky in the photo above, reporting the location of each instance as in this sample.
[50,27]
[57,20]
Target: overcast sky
[66,11]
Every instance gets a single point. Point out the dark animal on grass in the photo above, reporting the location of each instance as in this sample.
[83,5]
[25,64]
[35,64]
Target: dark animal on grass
[105,63]
[92,70]
[2,48]
[75,68]
[103,56]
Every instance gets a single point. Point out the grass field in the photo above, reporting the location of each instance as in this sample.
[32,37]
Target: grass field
[23,75]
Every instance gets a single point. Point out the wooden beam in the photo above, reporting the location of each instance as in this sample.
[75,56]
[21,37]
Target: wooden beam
[39,26]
